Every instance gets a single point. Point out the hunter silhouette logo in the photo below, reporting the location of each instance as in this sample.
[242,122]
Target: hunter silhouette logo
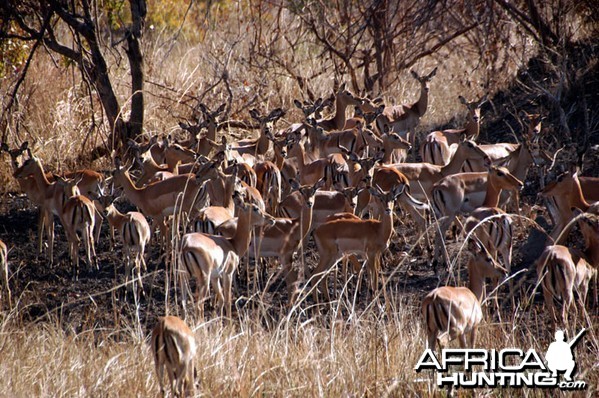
[559,355]
[510,367]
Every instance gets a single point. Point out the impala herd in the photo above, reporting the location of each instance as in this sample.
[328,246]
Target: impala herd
[334,181]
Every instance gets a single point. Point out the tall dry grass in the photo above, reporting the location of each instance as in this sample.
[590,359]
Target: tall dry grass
[373,355]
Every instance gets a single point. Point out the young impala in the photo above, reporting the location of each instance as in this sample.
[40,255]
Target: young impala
[135,234]
[174,347]
[283,239]
[455,312]
[78,217]
[343,99]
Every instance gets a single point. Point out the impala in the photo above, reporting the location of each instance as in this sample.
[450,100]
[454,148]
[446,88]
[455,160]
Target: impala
[283,239]
[402,119]
[495,234]
[28,184]
[560,197]
[556,271]
[287,166]
[359,169]
[343,99]
[516,157]
[174,347]
[268,183]
[135,235]
[393,144]
[387,178]
[261,145]
[90,183]
[455,312]
[357,139]
[201,144]
[326,203]
[423,176]
[437,147]
[51,195]
[162,199]
[364,115]
[585,274]
[4,287]
[367,238]
[78,217]
[589,226]
[214,259]
[464,193]
[310,172]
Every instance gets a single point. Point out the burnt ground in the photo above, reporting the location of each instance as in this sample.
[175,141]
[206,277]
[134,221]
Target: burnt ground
[95,302]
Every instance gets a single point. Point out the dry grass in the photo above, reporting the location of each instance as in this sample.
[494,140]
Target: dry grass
[371,356]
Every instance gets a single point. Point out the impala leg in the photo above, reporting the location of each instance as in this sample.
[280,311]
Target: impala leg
[227,283]
[50,234]
[202,290]
[160,369]
[549,304]
[440,247]
[568,301]
[41,225]
[473,333]
[218,292]
[87,239]
[292,279]
[462,339]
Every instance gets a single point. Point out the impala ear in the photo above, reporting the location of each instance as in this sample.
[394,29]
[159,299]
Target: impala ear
[463,100]
[255,115]
[297,104]
[276,114]
[294,184]
[320,183]
[220,109]
[398,190]
[344,150]
[203,109]
[433,73]
[474,245]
